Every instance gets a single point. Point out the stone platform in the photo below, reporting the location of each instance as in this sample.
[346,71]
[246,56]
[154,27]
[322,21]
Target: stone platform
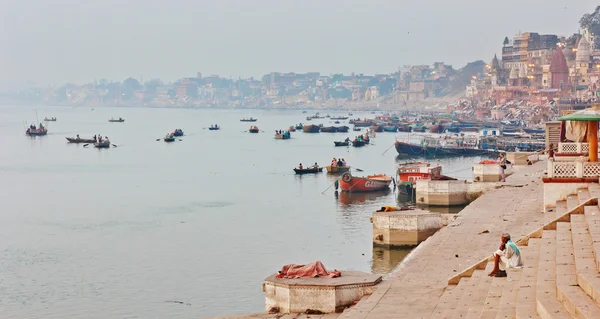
[327,295]
[405,228]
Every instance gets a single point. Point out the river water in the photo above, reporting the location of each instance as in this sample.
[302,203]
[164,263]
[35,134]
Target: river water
[124,232]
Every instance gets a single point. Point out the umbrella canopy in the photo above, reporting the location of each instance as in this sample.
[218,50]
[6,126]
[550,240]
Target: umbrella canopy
[591,114]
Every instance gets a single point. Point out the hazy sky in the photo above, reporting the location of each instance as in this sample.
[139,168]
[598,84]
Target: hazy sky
[55,41]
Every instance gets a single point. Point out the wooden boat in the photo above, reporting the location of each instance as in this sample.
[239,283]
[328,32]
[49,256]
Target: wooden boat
[312,170]
[342,129]
[299,126]
[345,143]
[390,128]
[337,169]
[377,128]
[214,128]
[253,129]
[311,128]
[103,144]
[81,140]
[336,122]
[36,132]
[284,136]
[178,132]
[349,183]
[328,129]
[119,120]
[356,129]
[248,120]
[417,150]
[339,118]
[52,119]
[291,129]
[408,174]
[404,128]
[169,138]
[358,143]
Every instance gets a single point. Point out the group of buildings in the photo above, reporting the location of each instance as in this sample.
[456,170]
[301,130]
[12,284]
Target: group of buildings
[311,89]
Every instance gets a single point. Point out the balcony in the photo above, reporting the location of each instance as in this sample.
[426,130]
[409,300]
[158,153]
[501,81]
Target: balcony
[571,161]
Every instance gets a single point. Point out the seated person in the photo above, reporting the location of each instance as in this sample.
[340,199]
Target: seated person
[508,254]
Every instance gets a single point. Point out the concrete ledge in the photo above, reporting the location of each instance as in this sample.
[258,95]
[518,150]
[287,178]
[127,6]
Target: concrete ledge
[326,295]
[404,228]
[452,193]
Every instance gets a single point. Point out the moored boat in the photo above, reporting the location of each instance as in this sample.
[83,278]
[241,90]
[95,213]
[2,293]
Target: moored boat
[311,170]
[356,129]
[328,129]
[349,183]
[337,169]
[408,174]
[311,128]
[248,120]
[339,118]
[52,119]
[80,140]
[342,129]
[119,120]
[390,128]
[451,149]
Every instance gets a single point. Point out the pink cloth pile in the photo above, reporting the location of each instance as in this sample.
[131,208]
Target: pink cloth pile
[312,270]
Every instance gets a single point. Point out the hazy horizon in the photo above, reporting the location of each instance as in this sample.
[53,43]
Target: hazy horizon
[66,41]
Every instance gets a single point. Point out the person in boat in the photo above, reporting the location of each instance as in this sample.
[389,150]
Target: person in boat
[333,162]
[316,166]
[94,137]
[343,162]
[340,163]
[347,140]
[78,137]
[106,140]
[300,166]
[508,254]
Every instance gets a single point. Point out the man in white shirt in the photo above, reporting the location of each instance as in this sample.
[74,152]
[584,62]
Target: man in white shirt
[508,254]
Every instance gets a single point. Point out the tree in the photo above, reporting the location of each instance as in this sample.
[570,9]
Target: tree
[131,84]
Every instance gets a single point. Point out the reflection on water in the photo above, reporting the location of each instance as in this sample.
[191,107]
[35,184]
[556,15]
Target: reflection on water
[386,259]
[443,209]
[346,198]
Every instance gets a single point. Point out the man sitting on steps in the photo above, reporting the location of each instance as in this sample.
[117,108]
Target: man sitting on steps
[509,254]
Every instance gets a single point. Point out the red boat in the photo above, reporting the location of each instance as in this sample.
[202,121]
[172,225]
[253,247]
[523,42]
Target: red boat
[349,183]
[410,173]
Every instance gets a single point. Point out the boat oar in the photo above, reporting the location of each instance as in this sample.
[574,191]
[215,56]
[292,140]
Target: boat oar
[180,140]
[158,139]
[114,145]
[388,149]
[328,188]
[358,169]
[85,145]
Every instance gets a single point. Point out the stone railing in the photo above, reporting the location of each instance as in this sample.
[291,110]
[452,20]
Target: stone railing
[573,169]
[573,148]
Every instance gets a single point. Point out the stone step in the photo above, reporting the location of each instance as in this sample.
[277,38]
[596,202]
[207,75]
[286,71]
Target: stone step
[526,304]
[485,282]
[572,202]
[592,217]
[468,296]
[451,298]
[573,298]
[583,194]
[561,208]
[594,189]
[547,305]
[588,277]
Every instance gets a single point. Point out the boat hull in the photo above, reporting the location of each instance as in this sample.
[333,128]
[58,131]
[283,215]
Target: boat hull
[116,121]
[328,129]
[337,169]
[213,128]
[311,129]
[358,143]
[349,183]
[282,137]
[101,145]
[308,170]
[36,132]
[248,120]
[80,140]
[178,133]
[341,143]
[169,139]
[253,131]
[414,150]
